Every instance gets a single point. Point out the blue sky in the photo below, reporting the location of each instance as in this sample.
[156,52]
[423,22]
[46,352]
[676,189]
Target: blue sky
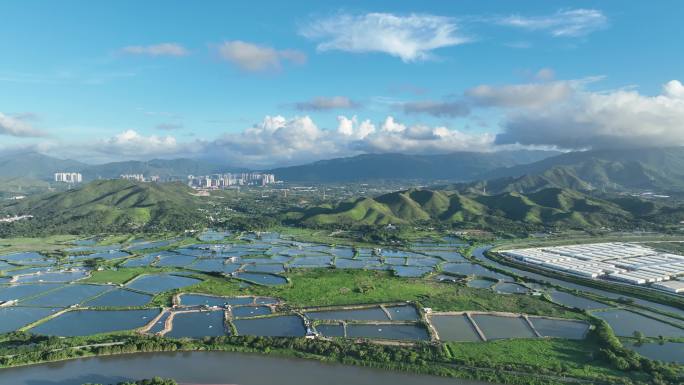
[262,83]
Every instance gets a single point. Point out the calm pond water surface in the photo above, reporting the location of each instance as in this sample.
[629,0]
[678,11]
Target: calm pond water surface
[666,352]
[480,283]
[209,300]
[454,328]
[472,269]
[198,325]
[250,311]
[388,332]
[572,300]
[8,293]
[212,368]
[511,288]
[625,323]
[403,313]
[575,330]
[67,296]
[280,326]
[331,330]
[15,317]
[56,276]
[120,297]
[370,314]
[262,279]
[497,327]
[87,322]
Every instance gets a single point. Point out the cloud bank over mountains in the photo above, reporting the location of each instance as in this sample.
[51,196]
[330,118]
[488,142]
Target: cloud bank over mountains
[559,114]
[583,119]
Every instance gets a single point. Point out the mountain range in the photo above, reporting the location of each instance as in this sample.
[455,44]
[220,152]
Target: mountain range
[34,165]
[124,206]
[548,207]
[457,166]
[645,169]
[653,169]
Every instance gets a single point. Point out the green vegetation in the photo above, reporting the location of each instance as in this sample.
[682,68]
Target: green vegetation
[550,356]
[108,206]
[47,244]
[544,361]
[120,276]
[151,381]
[327,287]
[551,207]
[20,186]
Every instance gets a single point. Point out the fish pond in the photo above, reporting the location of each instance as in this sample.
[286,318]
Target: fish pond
[198,325]
[277,326]
[87,322]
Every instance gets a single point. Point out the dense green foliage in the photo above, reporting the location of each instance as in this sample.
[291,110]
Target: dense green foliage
[551,207]
[583,361]
[151,381]
[20,186]
[108,206]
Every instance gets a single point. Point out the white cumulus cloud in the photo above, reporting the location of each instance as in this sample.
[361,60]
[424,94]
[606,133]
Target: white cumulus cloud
[131,143]
[617,118]
[279,141]
[410,37]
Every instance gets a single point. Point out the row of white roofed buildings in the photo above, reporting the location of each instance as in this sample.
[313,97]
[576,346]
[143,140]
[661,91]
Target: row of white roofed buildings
[626,262]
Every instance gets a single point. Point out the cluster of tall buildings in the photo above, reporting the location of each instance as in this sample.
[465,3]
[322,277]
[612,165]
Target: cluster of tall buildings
[140,177]
[218,181]
[68,177]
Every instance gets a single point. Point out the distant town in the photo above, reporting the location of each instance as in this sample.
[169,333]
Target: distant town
[219,181]
[212,182]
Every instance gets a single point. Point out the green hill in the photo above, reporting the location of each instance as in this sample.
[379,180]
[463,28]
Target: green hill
[548,207]
[659,169]
[111,205]
[14,186]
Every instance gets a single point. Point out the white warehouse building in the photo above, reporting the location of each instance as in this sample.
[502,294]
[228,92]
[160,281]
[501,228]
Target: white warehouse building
[625,262]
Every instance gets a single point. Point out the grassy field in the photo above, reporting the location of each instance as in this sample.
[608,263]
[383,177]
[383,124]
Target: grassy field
[562,357]
[670,247]
[329,237]
[10,245]
[119,276]
[326,287]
